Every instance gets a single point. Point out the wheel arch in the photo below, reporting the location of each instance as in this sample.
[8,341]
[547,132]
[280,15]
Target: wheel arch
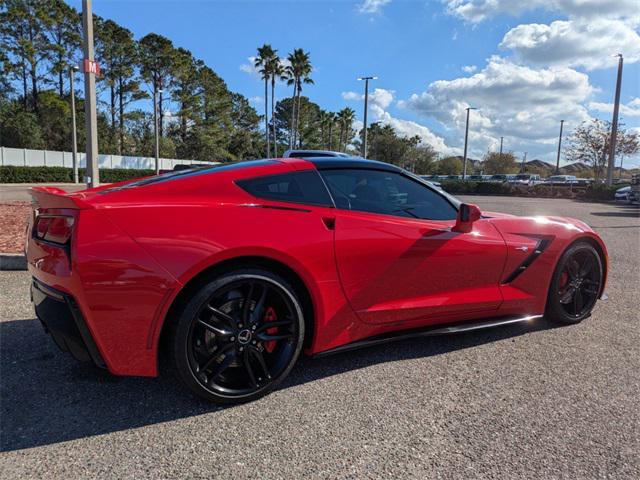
[604,257]
[293,277]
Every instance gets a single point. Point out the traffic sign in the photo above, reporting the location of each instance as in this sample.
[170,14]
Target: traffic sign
[91,66]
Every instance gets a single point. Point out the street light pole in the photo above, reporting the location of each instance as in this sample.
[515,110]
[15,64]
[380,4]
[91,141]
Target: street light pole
[559,147]
[501,140]
[366,102]
[466,138]
[156,127]
[74,140]
[614,123]
[524,159]
[90,108]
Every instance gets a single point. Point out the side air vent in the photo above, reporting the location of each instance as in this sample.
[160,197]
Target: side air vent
[540,247]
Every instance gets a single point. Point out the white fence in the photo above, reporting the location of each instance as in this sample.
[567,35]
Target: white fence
[24,157]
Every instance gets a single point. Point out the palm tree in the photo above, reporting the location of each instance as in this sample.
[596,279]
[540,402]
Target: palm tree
[331,116]
[346,116]
[298,72]
[263,61]
[323,119]
[277,71]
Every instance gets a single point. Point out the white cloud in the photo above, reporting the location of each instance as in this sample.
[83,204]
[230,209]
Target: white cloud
[631,109]
[379,100]
[378,97]
[250,66]
[523,104]
[257,100]
[469,68]
[372,6]
[574,43]
[475,11]
[352,96]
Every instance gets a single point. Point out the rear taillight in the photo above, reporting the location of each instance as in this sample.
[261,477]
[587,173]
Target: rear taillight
[54,228]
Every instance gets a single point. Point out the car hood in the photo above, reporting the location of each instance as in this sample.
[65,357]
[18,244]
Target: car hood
[537,224]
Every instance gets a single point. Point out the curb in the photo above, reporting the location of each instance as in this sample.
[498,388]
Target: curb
[13,261]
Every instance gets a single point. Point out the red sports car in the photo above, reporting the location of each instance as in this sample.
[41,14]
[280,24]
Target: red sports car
[230,272]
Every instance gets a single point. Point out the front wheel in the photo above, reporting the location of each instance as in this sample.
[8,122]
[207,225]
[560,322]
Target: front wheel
[575,285]
[238,337]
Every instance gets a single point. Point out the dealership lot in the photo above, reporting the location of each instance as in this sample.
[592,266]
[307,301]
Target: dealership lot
[521,401]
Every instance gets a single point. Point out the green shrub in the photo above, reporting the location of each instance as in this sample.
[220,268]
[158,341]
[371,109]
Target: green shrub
[14,174]
[495,188]
[599,191]
[459,187]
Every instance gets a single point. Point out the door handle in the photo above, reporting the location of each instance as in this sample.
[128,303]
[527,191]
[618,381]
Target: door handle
[329,222]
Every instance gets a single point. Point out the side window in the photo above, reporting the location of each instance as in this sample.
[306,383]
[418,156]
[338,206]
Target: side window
[388,193]
[297,187]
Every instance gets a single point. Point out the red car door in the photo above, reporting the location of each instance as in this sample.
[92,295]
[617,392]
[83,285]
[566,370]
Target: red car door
[396,267]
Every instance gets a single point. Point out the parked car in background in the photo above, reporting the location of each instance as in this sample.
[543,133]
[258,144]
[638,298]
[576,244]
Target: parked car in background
[623,194]
[478,178]
[584,181]
[499,178]
[528,179]
[634,195]
[562,180]
[314,154]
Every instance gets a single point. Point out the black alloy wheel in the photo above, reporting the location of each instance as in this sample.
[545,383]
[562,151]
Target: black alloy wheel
[239,336]
[576,284]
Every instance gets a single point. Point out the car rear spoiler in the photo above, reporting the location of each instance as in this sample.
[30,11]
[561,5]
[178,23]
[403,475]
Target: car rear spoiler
[52,197]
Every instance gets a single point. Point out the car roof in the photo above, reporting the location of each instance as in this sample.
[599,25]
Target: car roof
[332,163]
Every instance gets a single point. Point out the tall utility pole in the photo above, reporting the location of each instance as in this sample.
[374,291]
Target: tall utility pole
[614,124]
[524,159]
[90,109]
[74,140]
[366,103]
[155,127]
[559,147]
[466,138]
[501,140]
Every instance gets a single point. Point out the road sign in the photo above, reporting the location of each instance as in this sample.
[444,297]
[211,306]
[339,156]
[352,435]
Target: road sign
[91,66]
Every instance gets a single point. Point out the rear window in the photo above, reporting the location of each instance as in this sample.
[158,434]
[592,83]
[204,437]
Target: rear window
[297,187]
[196,170]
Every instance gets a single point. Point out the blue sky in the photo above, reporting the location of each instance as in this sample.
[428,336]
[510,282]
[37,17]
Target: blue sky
[526,65]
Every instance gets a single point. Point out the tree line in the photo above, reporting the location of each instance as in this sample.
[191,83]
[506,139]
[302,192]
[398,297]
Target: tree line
[40,43]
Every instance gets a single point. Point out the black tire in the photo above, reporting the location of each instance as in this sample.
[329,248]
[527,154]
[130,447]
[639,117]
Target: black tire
[221,345]
[575,285]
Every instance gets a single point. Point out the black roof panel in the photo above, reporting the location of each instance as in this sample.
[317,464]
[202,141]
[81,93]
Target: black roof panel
[331,163]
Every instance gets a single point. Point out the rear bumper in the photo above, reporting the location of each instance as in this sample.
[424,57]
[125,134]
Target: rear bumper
[61,317]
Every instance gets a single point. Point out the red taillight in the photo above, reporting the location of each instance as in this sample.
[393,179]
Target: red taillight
[54,228]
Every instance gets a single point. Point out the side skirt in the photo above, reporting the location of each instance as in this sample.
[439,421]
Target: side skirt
[429,332]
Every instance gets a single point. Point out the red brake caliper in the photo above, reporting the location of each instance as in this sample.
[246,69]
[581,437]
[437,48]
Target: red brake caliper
[564,279]
[270,316]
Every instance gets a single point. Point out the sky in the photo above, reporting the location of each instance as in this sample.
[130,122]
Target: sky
[525,65]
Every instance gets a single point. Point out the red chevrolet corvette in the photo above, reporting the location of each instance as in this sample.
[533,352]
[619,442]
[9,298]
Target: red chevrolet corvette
[230,272]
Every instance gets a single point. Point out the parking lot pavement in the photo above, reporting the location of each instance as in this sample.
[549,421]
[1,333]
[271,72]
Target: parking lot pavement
[516,402]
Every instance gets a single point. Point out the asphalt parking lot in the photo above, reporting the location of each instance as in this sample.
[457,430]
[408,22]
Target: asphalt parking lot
[528,401]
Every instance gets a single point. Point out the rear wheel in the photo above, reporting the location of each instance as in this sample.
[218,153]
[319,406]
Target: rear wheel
[575,285]
[238,337]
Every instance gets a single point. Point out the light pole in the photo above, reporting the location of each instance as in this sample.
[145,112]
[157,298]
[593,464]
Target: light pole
[524,159]
[559,147]
[614,123]
[366,101]
[74,140]
[156,90]
[466,138]
[501,140]
[90,108]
